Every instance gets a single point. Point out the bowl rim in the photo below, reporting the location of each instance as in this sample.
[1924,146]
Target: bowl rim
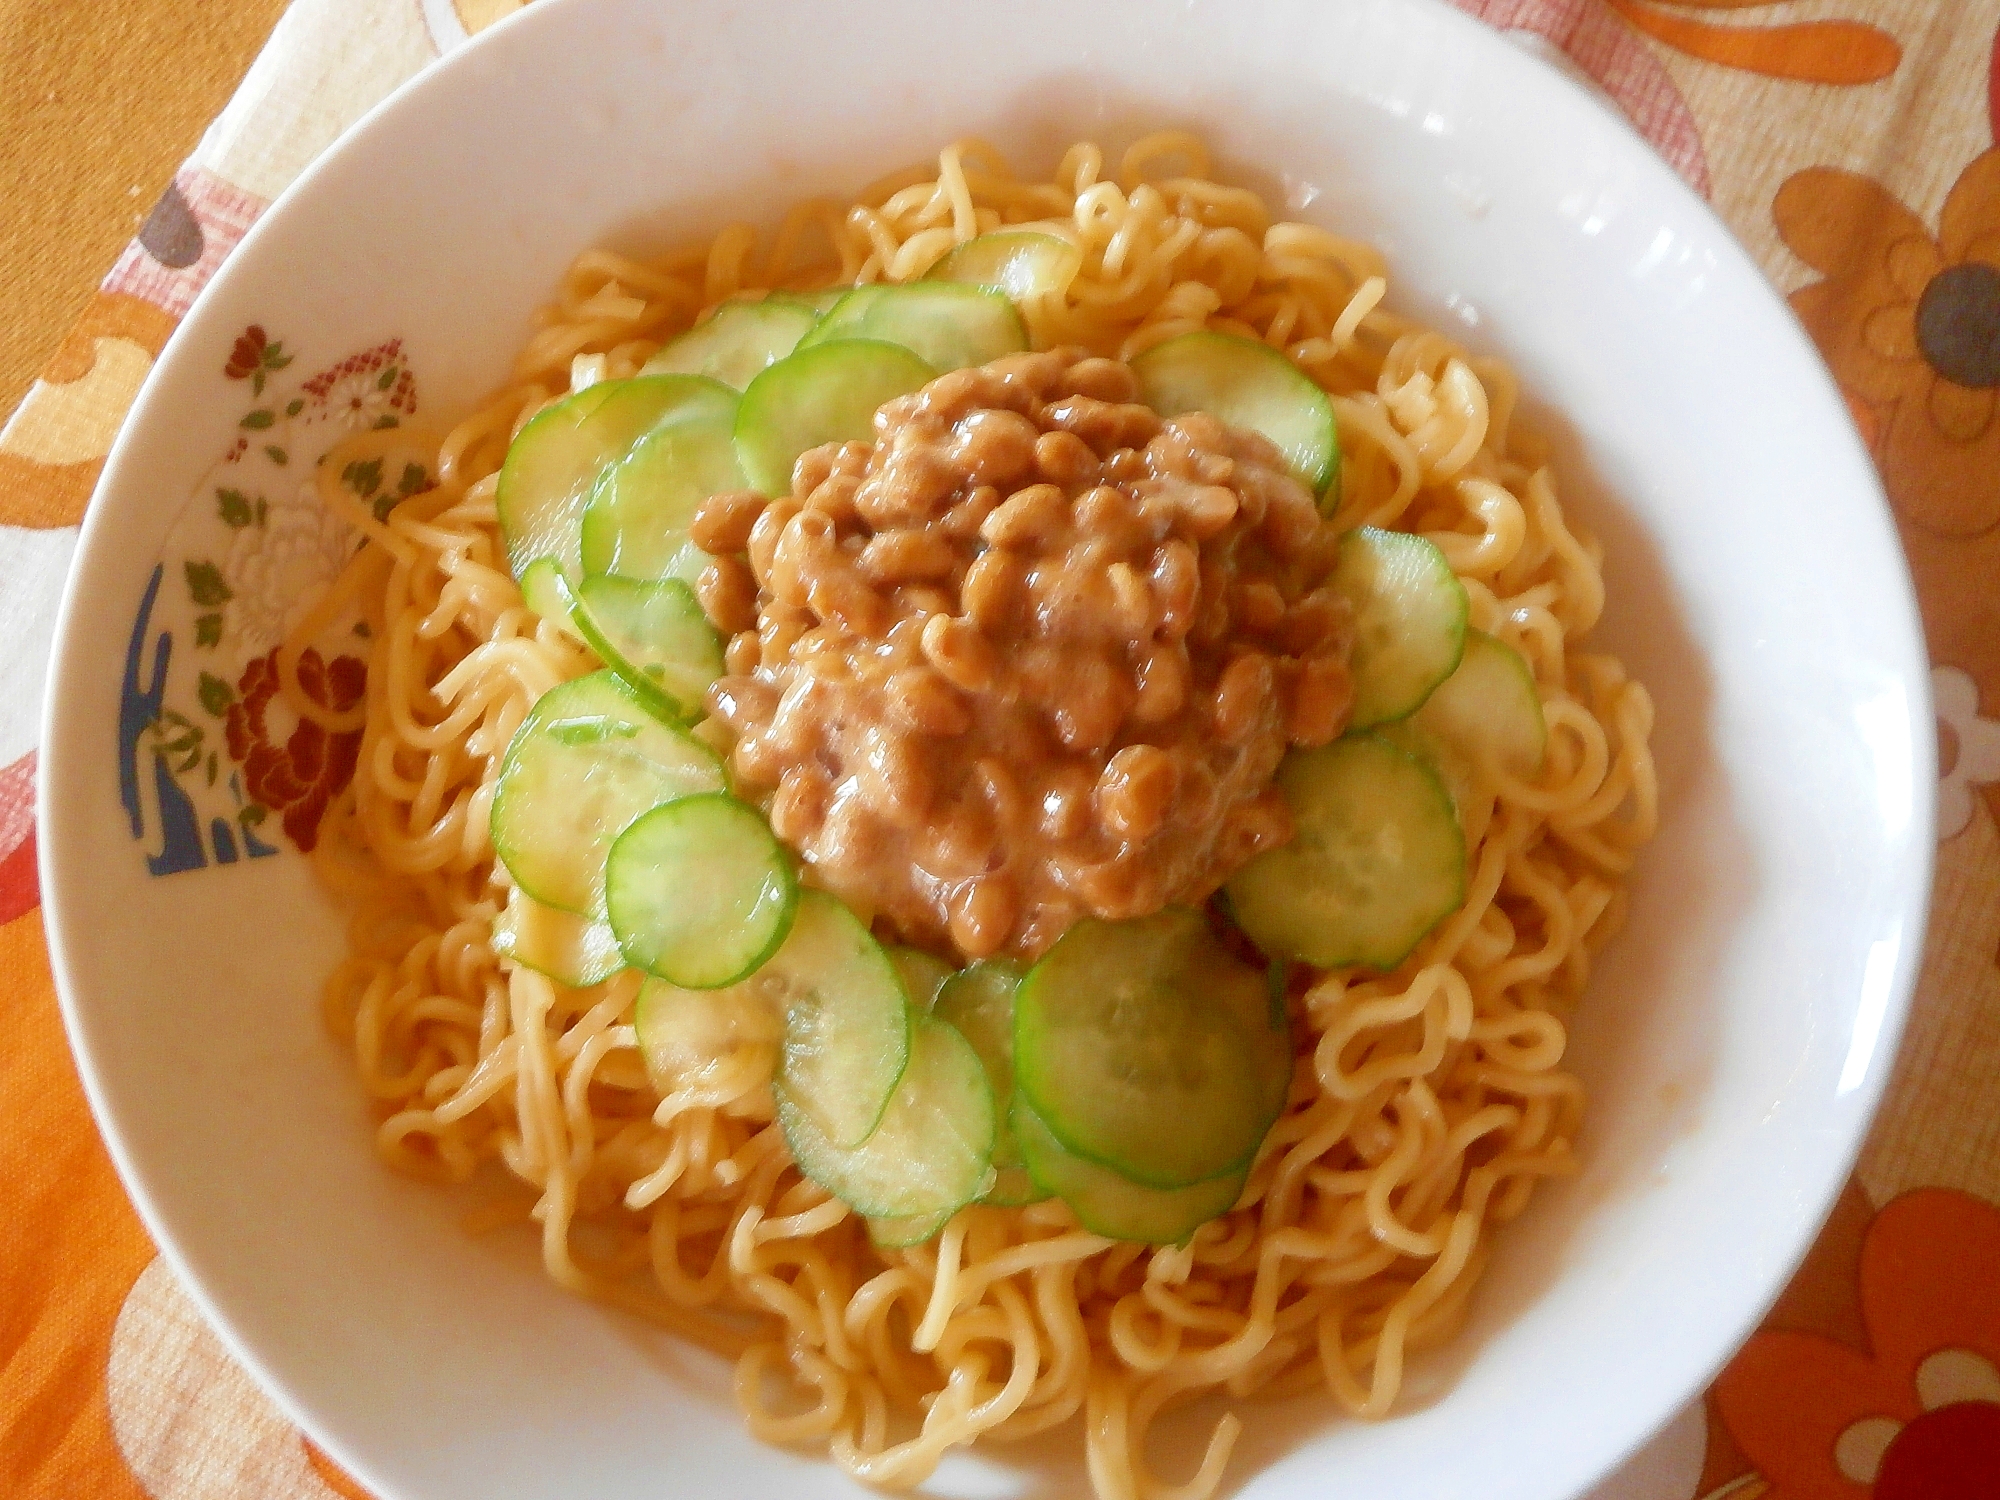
[55,857]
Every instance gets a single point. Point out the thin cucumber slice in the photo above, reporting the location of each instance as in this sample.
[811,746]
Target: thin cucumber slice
[571,950]
[736,342]
[825,394]
[1488,710]
[1376,862]
[931,1154]
[699,892]
[1017,263]
[847,1021]
[1013,1187]
[1267,1023]
[924,974]
[979,1001]
[1249,385]
[588,760]
[820,300]
[548,594]
[1409,621]
[900,1234]
[945,324]
[1483,720]
[1455,770]
[552,467]
[1131,1043]
[655,636]
[635,522]
[1114,1206]
[847,310]
[688,1036]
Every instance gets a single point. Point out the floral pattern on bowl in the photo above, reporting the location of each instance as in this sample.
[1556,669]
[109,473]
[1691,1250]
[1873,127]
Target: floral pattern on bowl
[214,766]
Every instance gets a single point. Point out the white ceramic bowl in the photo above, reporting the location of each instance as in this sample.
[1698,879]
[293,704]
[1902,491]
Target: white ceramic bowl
[1734,1039]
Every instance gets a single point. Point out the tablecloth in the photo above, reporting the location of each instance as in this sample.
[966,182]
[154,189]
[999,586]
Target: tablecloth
[1849,143]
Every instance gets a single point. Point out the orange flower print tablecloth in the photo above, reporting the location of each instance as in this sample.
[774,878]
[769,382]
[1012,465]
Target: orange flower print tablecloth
[1849,143]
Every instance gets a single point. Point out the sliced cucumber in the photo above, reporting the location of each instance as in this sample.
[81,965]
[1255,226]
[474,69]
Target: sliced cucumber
[687,1034]
[923,974]
[655,636]
[1454,768]
[930,1155]
[1484,719]
[1488,709]
[979,1001]
[847,1021]
[737,341]
[552,467]
[1267,1023]
[1114,1206]
[588,760]
[1376,861]
[1249,385]
[571,950]
[945,324]
[1409,621]
[699,891]
[636,520]
[1145,1046]
[900,1234]
[548,594]
[1017,263]
[818,301]
[848,309]
[1013,1187]
[825,394]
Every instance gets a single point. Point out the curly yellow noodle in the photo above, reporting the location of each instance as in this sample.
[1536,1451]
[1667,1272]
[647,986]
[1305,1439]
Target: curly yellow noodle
[1427,1103]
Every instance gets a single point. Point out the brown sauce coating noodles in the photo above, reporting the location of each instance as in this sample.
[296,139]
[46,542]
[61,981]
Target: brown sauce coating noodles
[1428,1102]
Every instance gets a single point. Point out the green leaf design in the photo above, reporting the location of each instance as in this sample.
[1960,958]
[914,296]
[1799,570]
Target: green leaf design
[252,815]
[387,378]
[276,454]
[205,585]
[233,506]
[383,424]
[207,629]
[415,477]
[211,768]
[257,383]
[363,477]
[262,507]
[275,357]
[296,405]
[258,420]
[215,694]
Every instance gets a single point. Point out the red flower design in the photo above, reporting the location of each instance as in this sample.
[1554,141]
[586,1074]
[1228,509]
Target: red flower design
[1917,1417]
[311,767]
[248,356]
[376,383]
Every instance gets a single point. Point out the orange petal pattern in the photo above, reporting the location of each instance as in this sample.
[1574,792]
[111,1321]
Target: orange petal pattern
[1810,51]
[1930,1280]
[1969,226]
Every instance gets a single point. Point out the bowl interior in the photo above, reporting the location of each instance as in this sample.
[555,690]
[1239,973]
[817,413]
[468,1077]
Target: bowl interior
[1734,1039]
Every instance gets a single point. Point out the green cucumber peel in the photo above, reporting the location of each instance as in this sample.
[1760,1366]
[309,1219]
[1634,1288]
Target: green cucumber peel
[1376,859]
[699,891]
[1249,385]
